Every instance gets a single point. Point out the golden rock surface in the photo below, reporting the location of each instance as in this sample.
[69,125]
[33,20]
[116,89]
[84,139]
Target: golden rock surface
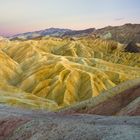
[52,73]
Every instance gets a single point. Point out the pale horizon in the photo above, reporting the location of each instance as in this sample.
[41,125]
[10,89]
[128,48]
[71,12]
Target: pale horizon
[31,15]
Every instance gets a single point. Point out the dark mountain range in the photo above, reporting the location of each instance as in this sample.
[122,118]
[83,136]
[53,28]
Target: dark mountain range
[41,33]
[123,34]
[55,32]
[85,32]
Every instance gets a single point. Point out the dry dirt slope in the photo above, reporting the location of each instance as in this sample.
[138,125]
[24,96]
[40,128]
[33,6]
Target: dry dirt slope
[19,124]
[53,73]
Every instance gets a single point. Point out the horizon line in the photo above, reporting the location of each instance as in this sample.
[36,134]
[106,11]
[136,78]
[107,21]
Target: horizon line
[73,29]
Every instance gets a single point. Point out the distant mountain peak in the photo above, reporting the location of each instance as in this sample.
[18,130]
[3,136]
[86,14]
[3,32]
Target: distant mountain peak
[123,34]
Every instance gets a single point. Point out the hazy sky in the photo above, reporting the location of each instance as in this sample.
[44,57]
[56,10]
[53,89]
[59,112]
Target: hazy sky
[18,16]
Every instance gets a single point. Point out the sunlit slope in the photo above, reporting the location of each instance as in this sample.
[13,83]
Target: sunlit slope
[54,72]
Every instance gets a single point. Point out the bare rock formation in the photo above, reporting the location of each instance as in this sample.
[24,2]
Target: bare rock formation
[121,100]
[132,48]
[53,73]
